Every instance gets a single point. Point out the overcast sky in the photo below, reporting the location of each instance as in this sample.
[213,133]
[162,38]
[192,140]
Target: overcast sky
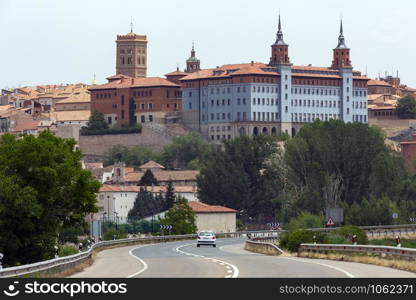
[57,41]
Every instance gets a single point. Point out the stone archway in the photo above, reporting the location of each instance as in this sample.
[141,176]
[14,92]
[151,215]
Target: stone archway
[265,130]
[255,131]
[242,131]
[293,131]
[274,130]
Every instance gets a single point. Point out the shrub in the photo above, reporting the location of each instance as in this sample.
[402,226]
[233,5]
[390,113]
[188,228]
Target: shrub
[67,250]
[112,232]
[291,240]
[334,238]
[304,220]
[117,130]
[348,231]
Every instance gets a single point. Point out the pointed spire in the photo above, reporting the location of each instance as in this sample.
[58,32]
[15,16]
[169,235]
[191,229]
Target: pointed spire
[193,50]
[279,35]
[341,40]
[131,24]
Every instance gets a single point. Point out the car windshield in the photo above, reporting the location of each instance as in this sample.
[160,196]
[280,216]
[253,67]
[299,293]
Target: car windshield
[205,233]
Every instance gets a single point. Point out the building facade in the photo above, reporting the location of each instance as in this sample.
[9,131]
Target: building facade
[125,100]
[253,98]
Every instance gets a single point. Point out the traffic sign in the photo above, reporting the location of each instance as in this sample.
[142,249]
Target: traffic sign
[330,222]
[168,227]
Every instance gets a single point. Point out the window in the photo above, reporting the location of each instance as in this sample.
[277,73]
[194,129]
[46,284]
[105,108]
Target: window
[150,105]
[244,100]
[229,102]
[238,101]
[109,120]
[285,108]
[122,114]
[223,116]
[150,118]
[190,105]
[223,102]
[190,94]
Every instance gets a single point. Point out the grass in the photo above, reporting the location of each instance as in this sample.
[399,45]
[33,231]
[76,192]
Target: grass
[406,243]
[401,264]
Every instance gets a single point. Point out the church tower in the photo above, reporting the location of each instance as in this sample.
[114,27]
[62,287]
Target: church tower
[131,55]
[280,50]
[192,63]
[341,57]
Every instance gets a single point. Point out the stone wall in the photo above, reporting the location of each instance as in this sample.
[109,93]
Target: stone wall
[98,145]
[217,222]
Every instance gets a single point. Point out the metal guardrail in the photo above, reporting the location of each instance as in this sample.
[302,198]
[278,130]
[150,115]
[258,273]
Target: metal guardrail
[381,250]
[62,264]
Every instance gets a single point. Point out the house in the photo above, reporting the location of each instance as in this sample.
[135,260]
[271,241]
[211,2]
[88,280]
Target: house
[214,217]
[118,200]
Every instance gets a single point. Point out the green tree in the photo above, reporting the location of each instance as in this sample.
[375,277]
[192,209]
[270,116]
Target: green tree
[181,217]
[148,179]
[97,121]
[406,107]
[43,192]
[353,153]
[170,195]
[146,204]
[132,156]
[241,175]
[183,150]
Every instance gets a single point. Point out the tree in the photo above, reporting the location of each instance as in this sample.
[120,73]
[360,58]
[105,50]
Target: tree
[355,153]
[170,195]
[406,107]
[184,149]
[180,217]
[148,179]
[132,156]
[146,205]
[240,176]
[43,191]
[97,121]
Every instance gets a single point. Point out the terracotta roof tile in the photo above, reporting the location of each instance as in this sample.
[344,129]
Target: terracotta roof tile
[136,189]
[378,83]
[187,175]
[151,165]
[199,207]
[131,82]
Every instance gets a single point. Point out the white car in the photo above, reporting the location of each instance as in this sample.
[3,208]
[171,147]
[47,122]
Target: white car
[206,238]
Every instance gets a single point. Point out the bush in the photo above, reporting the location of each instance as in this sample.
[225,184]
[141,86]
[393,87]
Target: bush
[112,232]
[349,230]
[291,240]
[304,220]
[115,130]
[67,250]
[335,238]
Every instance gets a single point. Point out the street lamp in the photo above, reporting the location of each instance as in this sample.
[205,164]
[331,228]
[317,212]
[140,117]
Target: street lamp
[116,218]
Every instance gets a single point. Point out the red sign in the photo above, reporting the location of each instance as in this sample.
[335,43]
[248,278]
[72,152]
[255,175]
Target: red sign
[330,222]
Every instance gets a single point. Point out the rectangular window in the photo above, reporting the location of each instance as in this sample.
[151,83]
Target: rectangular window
[122,100]
[190,105]
[122,114]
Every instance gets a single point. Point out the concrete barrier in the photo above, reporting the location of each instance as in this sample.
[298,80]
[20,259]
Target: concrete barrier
[264,248]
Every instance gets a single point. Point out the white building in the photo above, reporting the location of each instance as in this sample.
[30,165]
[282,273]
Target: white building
[118,200]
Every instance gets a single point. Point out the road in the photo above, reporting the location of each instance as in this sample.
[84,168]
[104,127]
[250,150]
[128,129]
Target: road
[228,260]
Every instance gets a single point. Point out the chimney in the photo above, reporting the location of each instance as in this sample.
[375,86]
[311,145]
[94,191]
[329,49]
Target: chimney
[132,81]
[252,63]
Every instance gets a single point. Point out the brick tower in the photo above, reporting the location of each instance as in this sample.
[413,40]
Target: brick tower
[280,50]
[131,57]
[341,57]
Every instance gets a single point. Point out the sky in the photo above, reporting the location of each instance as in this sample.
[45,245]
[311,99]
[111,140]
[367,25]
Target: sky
[68,41]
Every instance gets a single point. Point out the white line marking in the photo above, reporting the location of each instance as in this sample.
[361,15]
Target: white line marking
[140,260]
[228,265]
[325,265]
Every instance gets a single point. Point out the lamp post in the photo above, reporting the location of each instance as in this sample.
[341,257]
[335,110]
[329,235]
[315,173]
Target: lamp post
[116,218]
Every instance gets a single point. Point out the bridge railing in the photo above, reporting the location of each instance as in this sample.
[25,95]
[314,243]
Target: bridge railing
[400,252]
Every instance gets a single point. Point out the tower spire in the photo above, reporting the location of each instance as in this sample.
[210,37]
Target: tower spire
[279,35]
[341,39]
[131,24]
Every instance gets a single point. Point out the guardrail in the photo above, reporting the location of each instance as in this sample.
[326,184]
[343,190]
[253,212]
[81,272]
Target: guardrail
[261,246]
[409,253]
[59,265]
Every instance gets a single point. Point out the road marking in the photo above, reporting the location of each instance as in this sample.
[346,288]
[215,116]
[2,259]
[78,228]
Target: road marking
[229,266]
[325,265]
[140,260]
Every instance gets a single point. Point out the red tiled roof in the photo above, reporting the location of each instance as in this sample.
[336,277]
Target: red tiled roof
[378,83]
[188,175]
[151,165]
[226,71]
[176,73]
[130,82]
[136,189]
[199,207]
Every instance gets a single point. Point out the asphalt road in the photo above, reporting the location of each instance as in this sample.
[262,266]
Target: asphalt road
[227,260]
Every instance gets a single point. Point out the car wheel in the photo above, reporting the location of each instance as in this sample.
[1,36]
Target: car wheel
[214,245]
[198,245]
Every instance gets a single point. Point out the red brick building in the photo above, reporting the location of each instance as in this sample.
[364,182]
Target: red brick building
[126,100]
